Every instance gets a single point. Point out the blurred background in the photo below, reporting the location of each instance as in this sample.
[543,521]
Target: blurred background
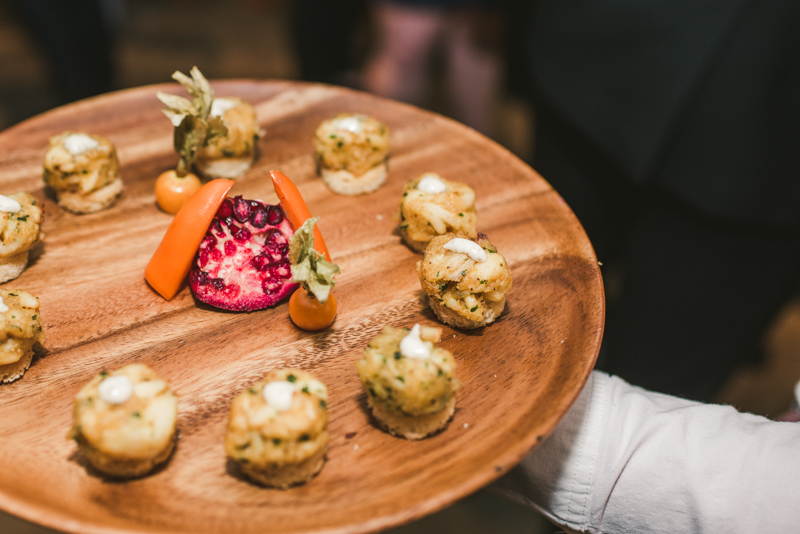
[463,63]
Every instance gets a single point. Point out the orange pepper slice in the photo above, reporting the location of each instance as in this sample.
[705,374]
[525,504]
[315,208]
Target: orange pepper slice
[173,258]
[296,209]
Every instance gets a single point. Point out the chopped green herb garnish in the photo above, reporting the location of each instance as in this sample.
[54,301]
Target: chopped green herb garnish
[405,194]
[323,404]
[397,355]
[401,379]
[484,281]
[276,441]
[333,136]
[340,144]
[103,374]
[243,446]
[304,437]
[464,272]
[291,378]
[136,415]
[226,152]
[23,218]
[403,226]
[252,391]
[473,309]
[460,214]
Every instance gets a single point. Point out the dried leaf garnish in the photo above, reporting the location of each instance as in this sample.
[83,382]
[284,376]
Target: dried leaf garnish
[309,267]
[193,127]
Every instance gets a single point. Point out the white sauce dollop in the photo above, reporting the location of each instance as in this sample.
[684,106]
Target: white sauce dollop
[351,124]
[116,389]
[79,143]
[278,394]
[412,345]
[431,183]
[220,105]
[465,246]
[9,205]
[3,306]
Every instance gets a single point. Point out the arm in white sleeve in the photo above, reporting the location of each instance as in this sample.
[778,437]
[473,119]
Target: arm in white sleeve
[625,459]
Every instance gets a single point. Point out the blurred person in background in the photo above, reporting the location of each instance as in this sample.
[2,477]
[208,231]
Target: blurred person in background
[672,129]
[75,37]
[325,39]
[468,32]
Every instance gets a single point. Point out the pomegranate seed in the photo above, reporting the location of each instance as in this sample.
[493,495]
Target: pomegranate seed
[209,241]
[215,255]
[216,227]
[218,283]
[259,217]
[261,262]
[231,291]
[241,209]
[230,248]
[242,235]
[200,278]
[274,215]
[274,239]
[203,258]
[225,209]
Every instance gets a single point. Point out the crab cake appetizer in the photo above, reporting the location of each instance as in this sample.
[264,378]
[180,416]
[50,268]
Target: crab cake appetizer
[84,172]
[351,152]
[278,429]
[21,218]
[433,206]
[20,330]
[466,281]
[124,421]
[232,154]
[410,382]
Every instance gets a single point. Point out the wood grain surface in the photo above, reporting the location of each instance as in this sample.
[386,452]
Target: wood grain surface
[519,375]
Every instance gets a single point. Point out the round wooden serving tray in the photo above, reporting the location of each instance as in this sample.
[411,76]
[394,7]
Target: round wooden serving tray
[519,375]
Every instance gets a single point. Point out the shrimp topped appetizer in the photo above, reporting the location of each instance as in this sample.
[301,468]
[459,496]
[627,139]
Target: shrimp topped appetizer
[84,172]
[124,421]
[217,135]
[278,429]
[466,281]
[410,382]
[351,153]
[20,330]
[21,219]
[431,206]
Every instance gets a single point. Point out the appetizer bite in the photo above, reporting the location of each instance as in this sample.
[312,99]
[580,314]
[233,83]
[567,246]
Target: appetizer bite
[124,421]
[20,330]
[466,281]
[217,135]
[232,154]
[433,206]
[351,153]
[278,429]
[83,170]
[21,220]
[312,307]
[410,382]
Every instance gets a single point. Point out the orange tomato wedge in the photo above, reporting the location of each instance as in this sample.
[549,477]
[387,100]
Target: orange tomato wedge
[296,209]
[173,258]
